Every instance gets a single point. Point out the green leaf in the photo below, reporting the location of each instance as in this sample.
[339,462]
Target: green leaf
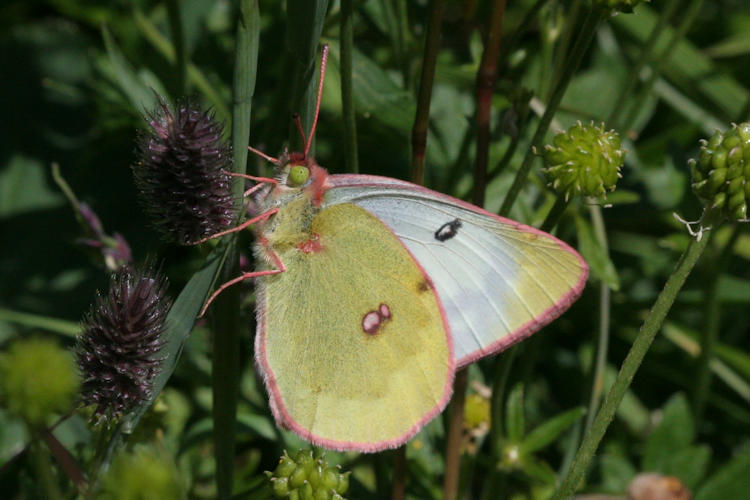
[687,64]
[597,257]
[180,321]
[731,481]
[538,470]
[550,430]
[689,465]
[376,95]
[140,96]
[514,420]
[616,472]
[674,433]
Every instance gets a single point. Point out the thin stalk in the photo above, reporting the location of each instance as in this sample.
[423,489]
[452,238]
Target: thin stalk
[502,367]
[597,384]
[424,95]
[679,33]
[633,360]
[586,34]
[486,77]
[644,57]
[347,95]
[45,473]
[398,489]
[66,460]
[553,217]
[522,28]
[178,41]
[453,441]
[227,327]
[561,56]
[711,328]
[402,24]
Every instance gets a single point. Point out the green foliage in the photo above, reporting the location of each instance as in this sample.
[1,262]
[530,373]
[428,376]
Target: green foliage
[80,76]
[145,473]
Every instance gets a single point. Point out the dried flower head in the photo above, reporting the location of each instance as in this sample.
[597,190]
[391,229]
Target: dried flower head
[304,476]
[181,173]
[721,176]
[122,335]
[585,160]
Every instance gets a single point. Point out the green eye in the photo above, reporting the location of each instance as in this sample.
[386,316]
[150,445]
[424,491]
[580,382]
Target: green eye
[298,175]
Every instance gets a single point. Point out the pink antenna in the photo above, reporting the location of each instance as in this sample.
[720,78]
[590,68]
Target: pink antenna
[323,62]
[298,122]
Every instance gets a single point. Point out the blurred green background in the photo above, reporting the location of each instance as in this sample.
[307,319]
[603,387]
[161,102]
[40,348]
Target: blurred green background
[78,75]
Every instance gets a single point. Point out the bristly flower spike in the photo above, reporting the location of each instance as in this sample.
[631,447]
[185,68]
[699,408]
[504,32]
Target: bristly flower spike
[182,173]
[118,351]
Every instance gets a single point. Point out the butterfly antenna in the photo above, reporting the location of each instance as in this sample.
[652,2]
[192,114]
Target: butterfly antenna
[263,155]
[323,62]
[298,123]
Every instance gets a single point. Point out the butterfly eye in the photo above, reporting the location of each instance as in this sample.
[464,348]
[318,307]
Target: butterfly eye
[298,175]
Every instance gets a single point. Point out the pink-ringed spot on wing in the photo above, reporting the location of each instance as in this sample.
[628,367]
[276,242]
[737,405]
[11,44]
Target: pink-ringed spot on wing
[372,291]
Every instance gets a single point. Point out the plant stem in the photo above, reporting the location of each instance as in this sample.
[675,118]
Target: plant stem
[66,460]
[679,33]
[502,367]
[644,57]
[485,85]
[453,441]
[711,328]
[351,159]
[43,466]
[629,367]
[226,371]
[586,34]
[553,217]
[424,96]
[597,380]
[398,489]
[178,40]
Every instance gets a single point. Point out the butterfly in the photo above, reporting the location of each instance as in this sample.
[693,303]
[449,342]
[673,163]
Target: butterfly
[371,292]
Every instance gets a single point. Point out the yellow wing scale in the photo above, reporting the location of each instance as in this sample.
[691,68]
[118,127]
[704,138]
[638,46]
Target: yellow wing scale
[331,380]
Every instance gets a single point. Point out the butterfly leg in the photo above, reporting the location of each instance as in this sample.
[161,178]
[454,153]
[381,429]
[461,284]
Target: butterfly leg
[249,222]
[245,276]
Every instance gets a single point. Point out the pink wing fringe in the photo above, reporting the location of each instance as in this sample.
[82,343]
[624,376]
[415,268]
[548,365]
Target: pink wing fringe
[280,413]
[285,420]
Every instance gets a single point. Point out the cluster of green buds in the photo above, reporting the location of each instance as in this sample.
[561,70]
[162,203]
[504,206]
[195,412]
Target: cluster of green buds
[585,160]
[38,380]
[626,6]
[306,477]
[721,176]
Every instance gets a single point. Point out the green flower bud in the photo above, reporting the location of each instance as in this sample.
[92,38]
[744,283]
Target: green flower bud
[144,473]
[476,411]
[306,477]
[721,176]
[585,160]
[38,378]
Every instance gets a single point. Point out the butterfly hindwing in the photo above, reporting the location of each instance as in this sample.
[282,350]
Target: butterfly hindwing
[351,337]
[498,280]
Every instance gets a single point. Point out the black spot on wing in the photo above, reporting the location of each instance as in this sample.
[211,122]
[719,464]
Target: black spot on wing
[448,230]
